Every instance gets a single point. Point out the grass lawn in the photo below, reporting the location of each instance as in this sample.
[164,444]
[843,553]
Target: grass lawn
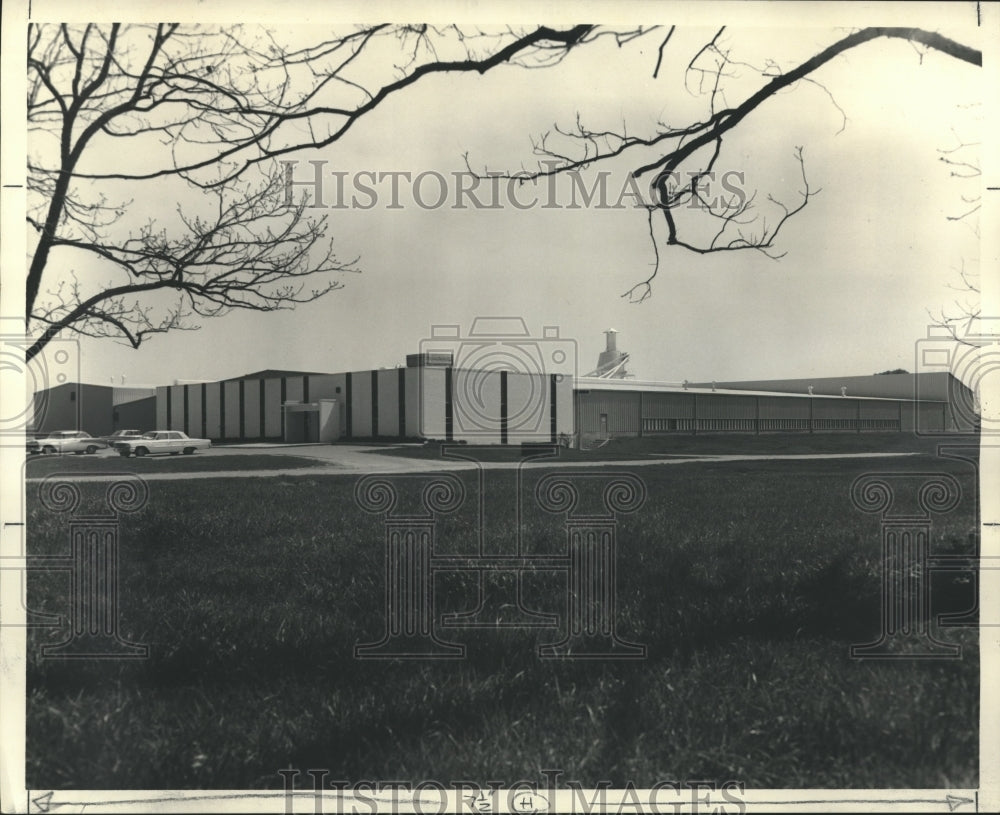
[746,582]
[708,444]
[40,466]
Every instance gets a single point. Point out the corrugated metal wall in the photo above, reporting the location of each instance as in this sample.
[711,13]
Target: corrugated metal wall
[931,418]
[774,407]
[880,410]
[668,405]
[717,406]
[624,412]
[620,410]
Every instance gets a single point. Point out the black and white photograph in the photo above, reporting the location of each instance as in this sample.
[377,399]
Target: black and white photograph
[500,408]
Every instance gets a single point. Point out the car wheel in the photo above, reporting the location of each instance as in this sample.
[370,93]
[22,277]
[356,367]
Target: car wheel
[91,449]
[123,453]
[188,451]
[141,451]
[49,449]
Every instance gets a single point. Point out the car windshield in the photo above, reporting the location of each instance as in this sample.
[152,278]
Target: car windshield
[149,435]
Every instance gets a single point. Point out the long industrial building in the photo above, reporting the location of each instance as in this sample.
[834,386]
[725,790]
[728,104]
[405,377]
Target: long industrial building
[433,398]
[436,396]
[608,408]
[420,401]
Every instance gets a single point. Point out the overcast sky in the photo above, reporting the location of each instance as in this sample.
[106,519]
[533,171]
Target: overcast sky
[862,264]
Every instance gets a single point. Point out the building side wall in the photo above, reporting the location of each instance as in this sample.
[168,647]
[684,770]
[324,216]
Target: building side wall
[213,411]
[161,408]
[879,410]
[620,408]
[361,404]
[413,403]
[631,413]
[835,409]
[73,406]
[718,406]
[195,427]
[377,404]
[476,407]
[329,386]
[231,413]
[96,409]
[251,408]
[431,383]
[388,403]
[774,407]
[272,408]
[120,394]
[332,386]
[295,388]
[137,415]
[565,412]
[932,418]
[175,421]
[668,405]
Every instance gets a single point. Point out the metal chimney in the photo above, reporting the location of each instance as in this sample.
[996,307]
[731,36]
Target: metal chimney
[611,361]
[612,343]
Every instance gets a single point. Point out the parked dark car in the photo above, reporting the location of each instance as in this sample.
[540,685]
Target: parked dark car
[121,435]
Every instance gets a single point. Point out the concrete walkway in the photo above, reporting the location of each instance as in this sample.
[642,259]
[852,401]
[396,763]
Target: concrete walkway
[342,459]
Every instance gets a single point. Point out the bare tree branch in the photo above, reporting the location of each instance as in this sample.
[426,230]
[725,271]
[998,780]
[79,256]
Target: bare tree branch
[692,150]
[225,103]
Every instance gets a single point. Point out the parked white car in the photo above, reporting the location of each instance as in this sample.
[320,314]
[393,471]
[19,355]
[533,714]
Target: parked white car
[161,441]
[65,441]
